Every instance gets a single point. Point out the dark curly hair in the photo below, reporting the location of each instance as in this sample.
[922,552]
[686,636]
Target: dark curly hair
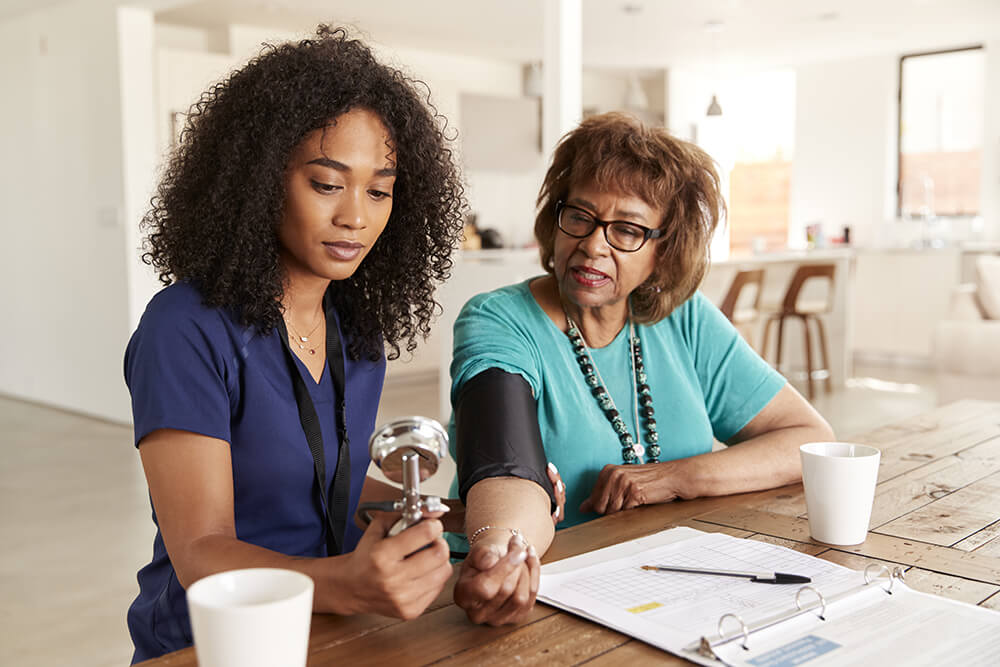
[215,215]
[616,151]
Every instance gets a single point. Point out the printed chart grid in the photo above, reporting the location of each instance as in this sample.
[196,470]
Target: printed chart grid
[690,603]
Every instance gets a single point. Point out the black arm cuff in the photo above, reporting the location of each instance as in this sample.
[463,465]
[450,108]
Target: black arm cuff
[496,425]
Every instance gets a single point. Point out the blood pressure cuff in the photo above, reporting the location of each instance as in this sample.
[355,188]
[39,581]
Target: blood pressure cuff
[496,426]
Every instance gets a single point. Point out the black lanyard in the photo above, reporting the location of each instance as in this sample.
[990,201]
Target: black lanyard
[335,520]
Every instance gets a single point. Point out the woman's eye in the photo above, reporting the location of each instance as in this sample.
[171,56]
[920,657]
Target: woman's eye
[324,187]
[631,232]
[379,194]
[581,218]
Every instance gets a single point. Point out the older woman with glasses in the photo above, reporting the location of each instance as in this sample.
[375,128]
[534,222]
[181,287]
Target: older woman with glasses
[611,366]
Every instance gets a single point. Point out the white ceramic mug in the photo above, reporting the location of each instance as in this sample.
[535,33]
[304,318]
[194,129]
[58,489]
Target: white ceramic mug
[839,479]
[251,618]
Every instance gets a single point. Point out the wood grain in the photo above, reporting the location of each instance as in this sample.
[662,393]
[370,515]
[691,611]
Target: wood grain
[951,518]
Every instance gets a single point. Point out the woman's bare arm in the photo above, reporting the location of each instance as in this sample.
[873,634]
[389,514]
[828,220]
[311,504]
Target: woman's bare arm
[191,486]
[765,455]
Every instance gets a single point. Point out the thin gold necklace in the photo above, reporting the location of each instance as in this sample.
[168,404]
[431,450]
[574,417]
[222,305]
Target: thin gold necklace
[299,339]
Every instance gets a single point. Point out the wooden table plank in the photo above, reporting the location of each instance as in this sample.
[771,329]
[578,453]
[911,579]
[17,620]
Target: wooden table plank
[933,557]
[949,415]
[945,585]
[986,541]
[804,547]
[431,637]
[560,639]
[907,454]
[636,654]
[929,483]
[952,518]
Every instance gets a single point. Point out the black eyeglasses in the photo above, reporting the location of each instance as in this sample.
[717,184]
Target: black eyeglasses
[620,235]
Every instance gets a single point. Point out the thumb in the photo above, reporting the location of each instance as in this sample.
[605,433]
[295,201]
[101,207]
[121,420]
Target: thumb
[378,528]
[485,557]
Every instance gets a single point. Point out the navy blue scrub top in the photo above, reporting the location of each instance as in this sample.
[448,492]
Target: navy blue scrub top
[194,368]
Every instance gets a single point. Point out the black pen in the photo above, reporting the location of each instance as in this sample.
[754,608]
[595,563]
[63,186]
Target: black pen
[758,577]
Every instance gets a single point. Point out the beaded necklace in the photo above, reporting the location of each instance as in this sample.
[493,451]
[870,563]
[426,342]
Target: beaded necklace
[632,450]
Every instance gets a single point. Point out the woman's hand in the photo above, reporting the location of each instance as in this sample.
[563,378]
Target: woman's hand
[557,484]
[622,487]
[498,582]
[395,576]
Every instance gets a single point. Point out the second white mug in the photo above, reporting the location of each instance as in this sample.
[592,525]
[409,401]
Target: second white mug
[839,480]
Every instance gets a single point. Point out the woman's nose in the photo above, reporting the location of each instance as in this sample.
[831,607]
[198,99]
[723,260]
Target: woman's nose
[595,244]
[352,212]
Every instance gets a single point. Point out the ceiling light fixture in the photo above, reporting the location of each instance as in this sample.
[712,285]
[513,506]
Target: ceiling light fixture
[713,28]
[635,96]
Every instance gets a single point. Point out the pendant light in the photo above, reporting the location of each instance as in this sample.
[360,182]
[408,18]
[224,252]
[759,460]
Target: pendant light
[714,28]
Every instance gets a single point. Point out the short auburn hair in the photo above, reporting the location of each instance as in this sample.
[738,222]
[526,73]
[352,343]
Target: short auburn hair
[617,152]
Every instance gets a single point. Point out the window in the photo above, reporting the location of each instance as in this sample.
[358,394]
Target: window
[940,133]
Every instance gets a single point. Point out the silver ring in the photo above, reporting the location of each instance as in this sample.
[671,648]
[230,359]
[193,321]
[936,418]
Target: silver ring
[869,577]
[897,573]
[822,600]
[743,627]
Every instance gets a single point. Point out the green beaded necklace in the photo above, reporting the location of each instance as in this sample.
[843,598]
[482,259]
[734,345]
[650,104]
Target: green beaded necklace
[632,451]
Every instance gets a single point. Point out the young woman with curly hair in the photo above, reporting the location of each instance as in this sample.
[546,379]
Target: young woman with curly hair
[300,228]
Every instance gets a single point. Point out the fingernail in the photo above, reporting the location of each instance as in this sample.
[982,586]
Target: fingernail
[552,467]
[560,487]
[519,557]
[556,513]
[532,551]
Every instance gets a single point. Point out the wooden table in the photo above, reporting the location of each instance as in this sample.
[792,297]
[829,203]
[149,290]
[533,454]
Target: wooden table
[936,513]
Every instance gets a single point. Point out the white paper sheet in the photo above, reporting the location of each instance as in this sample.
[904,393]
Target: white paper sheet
[673,610]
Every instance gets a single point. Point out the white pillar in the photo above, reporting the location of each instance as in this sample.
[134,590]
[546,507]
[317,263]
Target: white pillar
[136,96]
[989,197]
[562,70]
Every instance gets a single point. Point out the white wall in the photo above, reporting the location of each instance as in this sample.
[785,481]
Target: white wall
[64,278]
[844,171]
[990,177]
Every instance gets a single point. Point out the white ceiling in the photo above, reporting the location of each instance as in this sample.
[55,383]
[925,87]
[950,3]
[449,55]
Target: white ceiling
[662,33]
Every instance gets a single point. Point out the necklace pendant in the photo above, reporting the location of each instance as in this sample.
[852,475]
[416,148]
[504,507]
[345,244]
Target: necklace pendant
[314,352]
[304,339]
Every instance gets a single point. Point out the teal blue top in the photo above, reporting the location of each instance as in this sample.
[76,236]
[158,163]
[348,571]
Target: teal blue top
[706,382]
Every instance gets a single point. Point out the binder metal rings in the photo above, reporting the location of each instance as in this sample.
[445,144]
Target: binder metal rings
[822,600]
[876,569]
[743,627]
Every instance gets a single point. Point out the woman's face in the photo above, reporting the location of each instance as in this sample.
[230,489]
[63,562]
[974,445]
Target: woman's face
[338,197]
[591,273]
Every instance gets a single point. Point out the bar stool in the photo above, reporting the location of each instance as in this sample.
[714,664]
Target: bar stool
[806,311]
[744,317]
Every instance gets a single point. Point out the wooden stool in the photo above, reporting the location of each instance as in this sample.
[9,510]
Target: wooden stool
[744,317]
[806,311]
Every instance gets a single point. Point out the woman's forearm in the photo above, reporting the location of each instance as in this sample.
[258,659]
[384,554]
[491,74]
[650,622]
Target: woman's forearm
[506,503]
[218,553]
[763,462]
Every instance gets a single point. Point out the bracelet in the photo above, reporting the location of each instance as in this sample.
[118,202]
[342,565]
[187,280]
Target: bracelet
[479,531]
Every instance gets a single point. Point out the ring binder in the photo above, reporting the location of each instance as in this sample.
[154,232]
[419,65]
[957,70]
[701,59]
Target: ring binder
[822,600]
[706,645]
[743,626]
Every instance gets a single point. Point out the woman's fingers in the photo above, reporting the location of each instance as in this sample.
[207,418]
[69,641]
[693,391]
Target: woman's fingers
[560,489]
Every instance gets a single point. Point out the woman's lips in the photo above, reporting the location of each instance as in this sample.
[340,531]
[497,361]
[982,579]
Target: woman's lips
[589,277]
[343,250]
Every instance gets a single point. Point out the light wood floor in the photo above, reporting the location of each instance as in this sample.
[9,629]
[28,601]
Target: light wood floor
[75,520]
